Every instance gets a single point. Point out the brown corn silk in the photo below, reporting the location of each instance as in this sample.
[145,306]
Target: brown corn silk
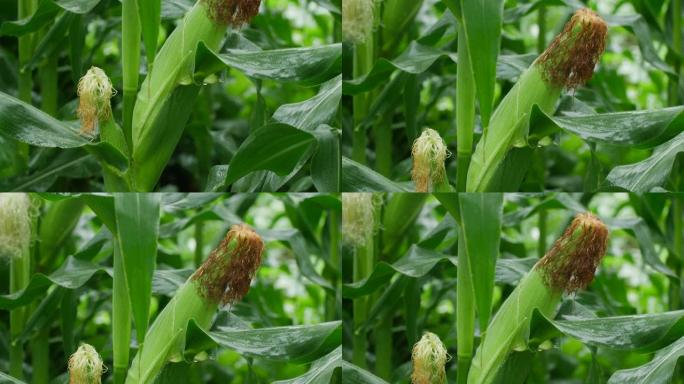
[226,275]
[571,262]
[234,13]
[569,60]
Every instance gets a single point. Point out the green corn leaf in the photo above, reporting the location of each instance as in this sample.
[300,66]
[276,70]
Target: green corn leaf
[275,147]
[326,169]
[311,113]
[30,125]
[71,275]
[660,370]
[483,24]
[359,178]
[297,343]
[650,173]
[640,129]
[306,66]
[5,378]
[356,375]
[137,222]
[643,333]
[419,261]
[481,216]
[150,14]
[321,370]
[46,12]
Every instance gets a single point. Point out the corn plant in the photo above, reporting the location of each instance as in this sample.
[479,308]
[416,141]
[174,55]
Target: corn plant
[144,288]
[525,95]
[465,290]
[192,95]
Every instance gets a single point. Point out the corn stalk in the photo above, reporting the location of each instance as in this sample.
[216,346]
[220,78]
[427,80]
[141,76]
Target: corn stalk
[568,266]
[568,62]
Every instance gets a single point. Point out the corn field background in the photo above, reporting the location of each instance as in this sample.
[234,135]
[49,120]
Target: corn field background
[284,330]
[261,97]
[620,131]
[625,327]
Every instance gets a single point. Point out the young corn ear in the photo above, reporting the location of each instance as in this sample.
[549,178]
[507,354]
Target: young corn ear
[358,217]
[15,224]
[85,366]
[153,139]
[357,20]
[94,91]
[429,360]
[429,153]
[568,62]
[15,241]
[568,266]
[224,278]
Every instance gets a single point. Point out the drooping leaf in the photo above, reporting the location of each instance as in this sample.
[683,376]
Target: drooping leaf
[359,178]
[356,375]
[650,173]
[297,343]
[644,333]
[321,370]
[311,113]
[417,262]
[660,370]
[71,275]
[30,125]
[305,66]
[640,129]
[275,147]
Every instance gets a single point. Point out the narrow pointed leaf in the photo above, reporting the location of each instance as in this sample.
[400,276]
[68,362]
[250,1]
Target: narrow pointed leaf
[137,222]
[481,216]
[483,24]
[150,15]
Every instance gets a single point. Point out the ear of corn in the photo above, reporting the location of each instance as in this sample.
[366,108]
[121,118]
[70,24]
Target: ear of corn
[429,154]
[568,266]
[357,20]
[15,240]
[567,63]
[95,91]
[358,229]
[429,358]
[85,366]
[224,278]
[207,21]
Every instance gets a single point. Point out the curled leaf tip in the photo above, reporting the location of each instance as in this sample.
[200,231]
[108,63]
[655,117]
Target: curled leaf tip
[429,153]
[358,217]
[357,20]
[15,224]
[429,360]
[85,366]
[570,59]
[95,91]
[234,13]
[227,273]
[571,262]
